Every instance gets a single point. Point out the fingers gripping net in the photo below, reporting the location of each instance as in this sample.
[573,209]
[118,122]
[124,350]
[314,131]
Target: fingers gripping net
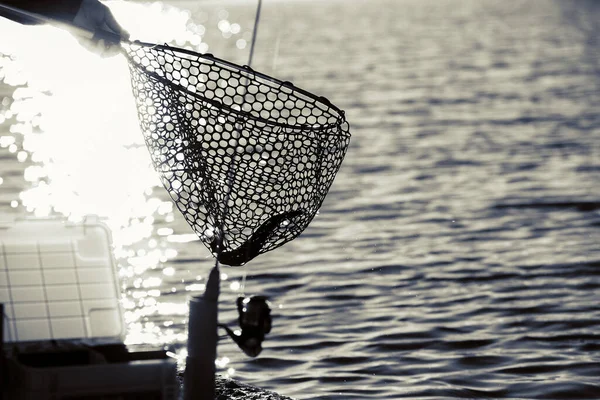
[236,149]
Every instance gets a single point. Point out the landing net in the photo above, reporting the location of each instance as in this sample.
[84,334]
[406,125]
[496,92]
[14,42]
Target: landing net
[246,158]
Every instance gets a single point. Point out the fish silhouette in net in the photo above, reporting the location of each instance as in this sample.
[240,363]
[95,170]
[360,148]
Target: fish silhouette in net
[246,158]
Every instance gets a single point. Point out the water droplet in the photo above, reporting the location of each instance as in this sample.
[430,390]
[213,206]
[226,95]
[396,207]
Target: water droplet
[209,233]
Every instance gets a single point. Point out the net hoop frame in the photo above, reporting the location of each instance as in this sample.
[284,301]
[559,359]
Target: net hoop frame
[246,68]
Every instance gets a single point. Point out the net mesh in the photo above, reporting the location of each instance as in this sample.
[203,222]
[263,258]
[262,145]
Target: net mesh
[247,159]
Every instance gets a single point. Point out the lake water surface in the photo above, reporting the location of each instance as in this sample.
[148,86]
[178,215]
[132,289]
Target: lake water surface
[457,254]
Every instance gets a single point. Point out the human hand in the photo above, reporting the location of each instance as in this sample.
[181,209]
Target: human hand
[94,16]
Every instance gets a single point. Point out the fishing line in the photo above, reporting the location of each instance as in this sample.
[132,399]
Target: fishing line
[243,285]
[254,33]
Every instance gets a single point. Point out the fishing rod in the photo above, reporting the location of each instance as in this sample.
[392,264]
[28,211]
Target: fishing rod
[204,308]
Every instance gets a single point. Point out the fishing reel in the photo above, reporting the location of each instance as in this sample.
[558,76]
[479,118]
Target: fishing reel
[254,318]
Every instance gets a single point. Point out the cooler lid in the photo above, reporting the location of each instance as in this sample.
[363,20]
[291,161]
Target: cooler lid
[58,280]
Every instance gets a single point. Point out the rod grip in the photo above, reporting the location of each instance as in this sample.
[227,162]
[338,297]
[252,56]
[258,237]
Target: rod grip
[2,366]
[200,369]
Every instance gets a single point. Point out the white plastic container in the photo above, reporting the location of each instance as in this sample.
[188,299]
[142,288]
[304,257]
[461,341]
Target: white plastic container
[63,324]
[58,280]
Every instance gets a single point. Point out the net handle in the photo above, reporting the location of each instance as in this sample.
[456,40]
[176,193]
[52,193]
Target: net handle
[69,26]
